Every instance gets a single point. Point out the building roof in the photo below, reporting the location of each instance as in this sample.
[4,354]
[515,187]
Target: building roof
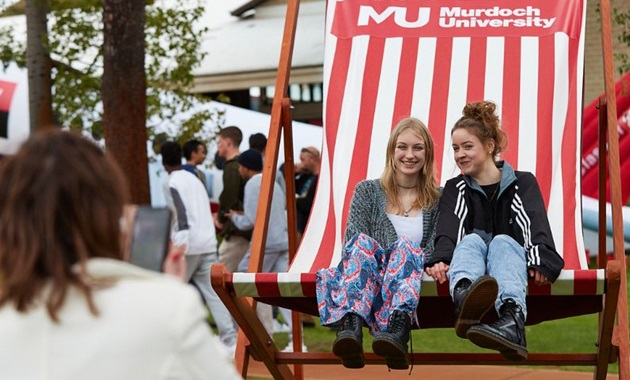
[244,51]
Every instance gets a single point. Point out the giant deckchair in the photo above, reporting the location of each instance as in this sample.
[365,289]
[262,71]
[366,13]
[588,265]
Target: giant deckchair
[388,59]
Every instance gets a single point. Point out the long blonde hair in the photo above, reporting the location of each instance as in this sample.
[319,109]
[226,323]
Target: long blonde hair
[426,188]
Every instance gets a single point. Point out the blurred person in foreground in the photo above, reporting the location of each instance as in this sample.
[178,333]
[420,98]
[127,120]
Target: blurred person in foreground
[70,306]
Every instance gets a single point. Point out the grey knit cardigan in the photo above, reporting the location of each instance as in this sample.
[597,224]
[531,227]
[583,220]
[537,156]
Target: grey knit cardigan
[367,214]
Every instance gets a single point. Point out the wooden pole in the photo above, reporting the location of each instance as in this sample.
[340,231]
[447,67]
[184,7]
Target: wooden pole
[621,334]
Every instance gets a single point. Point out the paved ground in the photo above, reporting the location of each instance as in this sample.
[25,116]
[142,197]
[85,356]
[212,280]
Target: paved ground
[437,372]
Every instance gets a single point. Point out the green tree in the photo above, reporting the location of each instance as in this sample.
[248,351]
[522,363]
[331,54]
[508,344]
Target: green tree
[172,46]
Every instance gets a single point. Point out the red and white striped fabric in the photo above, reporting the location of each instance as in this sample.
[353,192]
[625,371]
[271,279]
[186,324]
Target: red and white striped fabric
[389,59]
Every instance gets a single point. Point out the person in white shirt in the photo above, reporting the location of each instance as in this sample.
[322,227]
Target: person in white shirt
[194,228]
[70,307]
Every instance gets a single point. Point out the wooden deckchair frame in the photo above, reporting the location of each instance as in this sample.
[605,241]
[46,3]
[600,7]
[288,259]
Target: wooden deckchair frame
[254,340]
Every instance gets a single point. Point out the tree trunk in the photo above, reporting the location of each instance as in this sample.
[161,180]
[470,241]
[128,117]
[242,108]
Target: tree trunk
[39,65]
[124,92]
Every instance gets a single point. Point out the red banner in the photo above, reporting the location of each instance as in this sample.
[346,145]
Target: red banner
[6,94]
[454,18]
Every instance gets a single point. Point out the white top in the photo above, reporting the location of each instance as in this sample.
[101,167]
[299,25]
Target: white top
[410,227]
[193,219]
[150,326]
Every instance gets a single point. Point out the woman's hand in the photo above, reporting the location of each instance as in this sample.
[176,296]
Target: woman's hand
[438,272]
[175,262]
[539,278]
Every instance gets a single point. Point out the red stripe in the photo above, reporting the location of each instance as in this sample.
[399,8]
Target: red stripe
[439,99]
[544,118]
[511,97]
[363,138]
[325,253]
[538,290]
[406,79]
[569,154]
[308,282]
[585,282]
[6,94]
[334,99]
[477,69]
[267,284]
[442,289]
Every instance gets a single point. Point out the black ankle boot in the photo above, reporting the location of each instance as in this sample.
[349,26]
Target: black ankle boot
[506,335]
[392,345]
[472,301]
[349,343]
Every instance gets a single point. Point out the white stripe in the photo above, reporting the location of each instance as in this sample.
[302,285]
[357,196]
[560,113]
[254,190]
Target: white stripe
[385,103]
[560,101]
[455,103]
[564,285]
[307,250]
[421,101]
[346,134]
[493,85]
[289,285]
[461,210]
[460,204]
[528,106]
[523,220]
[579,235]
[245,284]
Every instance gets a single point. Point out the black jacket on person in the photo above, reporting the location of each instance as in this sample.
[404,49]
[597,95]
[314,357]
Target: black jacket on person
[519,212]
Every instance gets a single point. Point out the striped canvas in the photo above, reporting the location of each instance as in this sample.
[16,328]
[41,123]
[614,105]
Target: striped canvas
[389,59]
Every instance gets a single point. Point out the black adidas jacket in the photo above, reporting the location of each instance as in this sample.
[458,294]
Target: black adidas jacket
[519,212]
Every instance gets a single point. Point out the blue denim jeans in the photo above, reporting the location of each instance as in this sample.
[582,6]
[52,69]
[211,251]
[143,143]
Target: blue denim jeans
[503,259]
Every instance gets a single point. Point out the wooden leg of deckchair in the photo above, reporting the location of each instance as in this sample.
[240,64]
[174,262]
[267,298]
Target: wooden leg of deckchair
[607,319]
[622,339]
[246,317]
[241,356]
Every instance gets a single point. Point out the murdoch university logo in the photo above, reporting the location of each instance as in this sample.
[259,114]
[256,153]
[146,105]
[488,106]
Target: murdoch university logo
[447,18]
[367,13]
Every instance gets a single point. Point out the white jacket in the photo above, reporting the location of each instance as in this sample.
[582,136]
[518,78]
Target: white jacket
[150,326]
[193,225]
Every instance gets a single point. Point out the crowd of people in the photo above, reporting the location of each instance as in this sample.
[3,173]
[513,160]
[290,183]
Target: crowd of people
[64,278]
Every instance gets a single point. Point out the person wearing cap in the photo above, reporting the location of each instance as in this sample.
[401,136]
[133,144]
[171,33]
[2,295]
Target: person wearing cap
[250,166]
[276,259]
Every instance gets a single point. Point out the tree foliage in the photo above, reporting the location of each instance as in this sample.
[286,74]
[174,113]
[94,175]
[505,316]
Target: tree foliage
[173,39]
[622,19]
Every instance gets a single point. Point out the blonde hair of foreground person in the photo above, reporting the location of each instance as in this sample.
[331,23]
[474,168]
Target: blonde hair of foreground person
[70,307]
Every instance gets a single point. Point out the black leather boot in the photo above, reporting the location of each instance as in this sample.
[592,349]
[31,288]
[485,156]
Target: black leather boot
[506,335]
[472,301]
[349,343]
[392,344]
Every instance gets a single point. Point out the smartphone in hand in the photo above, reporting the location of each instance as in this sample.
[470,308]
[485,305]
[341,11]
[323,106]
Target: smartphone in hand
[150,237]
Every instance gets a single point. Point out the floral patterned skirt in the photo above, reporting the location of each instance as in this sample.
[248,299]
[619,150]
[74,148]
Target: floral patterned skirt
[371,282]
